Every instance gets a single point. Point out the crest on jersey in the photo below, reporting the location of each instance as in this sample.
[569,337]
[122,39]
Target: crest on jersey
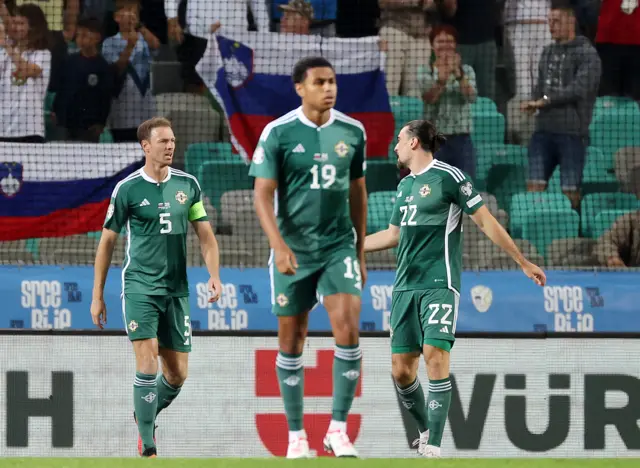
[181,197]
[425,190]
[282,300]
[238,62]
[342,149]
[110,211]
[133,325]
[10,178]
[466,189]
[258,156]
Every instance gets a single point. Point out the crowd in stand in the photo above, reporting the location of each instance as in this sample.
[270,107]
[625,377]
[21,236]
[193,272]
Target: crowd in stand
[543,62]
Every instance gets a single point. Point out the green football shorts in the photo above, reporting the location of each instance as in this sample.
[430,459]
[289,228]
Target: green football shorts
[295,294]
[423,317]
[163,317]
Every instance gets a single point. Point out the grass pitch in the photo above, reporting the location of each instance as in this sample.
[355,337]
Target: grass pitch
[314,463]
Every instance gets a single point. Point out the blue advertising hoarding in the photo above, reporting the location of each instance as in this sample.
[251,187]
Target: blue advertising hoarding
[44,297]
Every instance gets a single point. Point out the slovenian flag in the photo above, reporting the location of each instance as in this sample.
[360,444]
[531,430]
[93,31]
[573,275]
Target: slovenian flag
[57,189]
[249,74]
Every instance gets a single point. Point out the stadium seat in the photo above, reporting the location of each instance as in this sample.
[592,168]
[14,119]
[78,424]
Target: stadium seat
[542,227]
[606,104]
[523,203]
[381,260]
[218,177]
[504,181]
[234,254]
[380,208]
[199,153]
[594,203]
[381,176]
[70,250]
[497,154]
[598,174]
[488,126]
[615,128]
[483,104]
[625,160]
[405,109]
[106,136]
[604,220]
[15,253]
[571,252]
[488,255]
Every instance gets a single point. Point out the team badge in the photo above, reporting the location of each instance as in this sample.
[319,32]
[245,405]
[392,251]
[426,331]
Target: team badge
[258,156]
[110,211]
[133,325]
[282,300]
[342,149]
[425,190]
[181,197]
[149,397]
[10,178]
[466,189]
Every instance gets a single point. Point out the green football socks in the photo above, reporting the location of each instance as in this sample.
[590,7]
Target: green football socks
[438,408]
[412,398]
[291,381]
[145,403]
[347,362]
[166,393]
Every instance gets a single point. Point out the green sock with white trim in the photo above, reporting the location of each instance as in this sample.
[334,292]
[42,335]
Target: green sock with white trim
[438,403]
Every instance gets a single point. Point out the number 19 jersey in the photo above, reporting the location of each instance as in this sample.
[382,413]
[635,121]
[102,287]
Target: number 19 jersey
[155,215]
[314,167]
[428,210]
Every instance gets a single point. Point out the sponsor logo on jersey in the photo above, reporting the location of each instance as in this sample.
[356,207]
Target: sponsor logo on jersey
[408,199]
[466,189]
[298,149]
[110,211]
[282,300]
[258,156]
[133,325]
[482,297]
[321,157]
[425,190]
[164,206]
[342,149]
[145,202]
[181,197]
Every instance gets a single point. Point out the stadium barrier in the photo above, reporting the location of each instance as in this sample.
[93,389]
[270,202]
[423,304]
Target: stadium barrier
[571,395]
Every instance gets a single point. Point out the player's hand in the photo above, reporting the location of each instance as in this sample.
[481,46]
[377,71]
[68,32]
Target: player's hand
[214,27]
[174,30]
[363,269]
[286,262]
[99,313]
[535,273]
[215,289]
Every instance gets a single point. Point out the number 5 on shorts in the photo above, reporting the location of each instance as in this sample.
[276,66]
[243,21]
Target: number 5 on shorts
[187,332]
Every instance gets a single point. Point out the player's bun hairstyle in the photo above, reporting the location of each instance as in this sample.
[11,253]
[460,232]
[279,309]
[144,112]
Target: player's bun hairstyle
[301,68]
[146,127]
[427,134]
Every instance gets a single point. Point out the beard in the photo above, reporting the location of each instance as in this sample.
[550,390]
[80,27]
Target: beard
[401,165]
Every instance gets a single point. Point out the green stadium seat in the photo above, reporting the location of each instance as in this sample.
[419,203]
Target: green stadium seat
[405,109]
[490,154]
[106,136]
[382,175]
[598,175]
[199,153]
[542,227]
[604,220]
[606,104]
[595,203]
[483,104]
[379,210]
[523,203]
[505,180]
[487,127]
[218,177]
[613,129]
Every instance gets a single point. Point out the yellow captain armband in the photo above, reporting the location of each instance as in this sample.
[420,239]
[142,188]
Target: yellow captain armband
[197,211]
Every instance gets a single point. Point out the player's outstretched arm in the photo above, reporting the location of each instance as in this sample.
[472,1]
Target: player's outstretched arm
[494,231]
[211,256]
[263,194]
[382,240]
[101,268]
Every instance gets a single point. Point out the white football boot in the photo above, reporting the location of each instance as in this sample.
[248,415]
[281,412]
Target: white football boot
[338,442]
[422,443]
[299,448]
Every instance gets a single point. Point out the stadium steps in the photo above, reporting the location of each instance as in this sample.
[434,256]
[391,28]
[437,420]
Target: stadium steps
[571,252]
[15,253]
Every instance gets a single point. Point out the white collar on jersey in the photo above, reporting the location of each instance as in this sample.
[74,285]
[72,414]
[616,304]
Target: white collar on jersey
[148,178]
[425,169]
[303,118]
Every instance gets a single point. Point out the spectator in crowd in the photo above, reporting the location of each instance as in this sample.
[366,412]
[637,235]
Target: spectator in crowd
[476,22]
[404,28]
[618,43]
[325,15]
[83,96]
[130,52]
[620,245]
[527,33]
[56,12]
[564,97]
[25,65]
[296,17]
[449,88]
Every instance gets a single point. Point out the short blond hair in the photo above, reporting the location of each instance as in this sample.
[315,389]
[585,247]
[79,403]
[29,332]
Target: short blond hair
[146,127]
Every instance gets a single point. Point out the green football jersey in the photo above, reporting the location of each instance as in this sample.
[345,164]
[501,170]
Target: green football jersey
[428,210]
[156,217]
[314,167]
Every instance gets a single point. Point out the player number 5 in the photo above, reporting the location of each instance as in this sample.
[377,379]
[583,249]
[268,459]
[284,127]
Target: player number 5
[187,332]
[165,222]
[328,173]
